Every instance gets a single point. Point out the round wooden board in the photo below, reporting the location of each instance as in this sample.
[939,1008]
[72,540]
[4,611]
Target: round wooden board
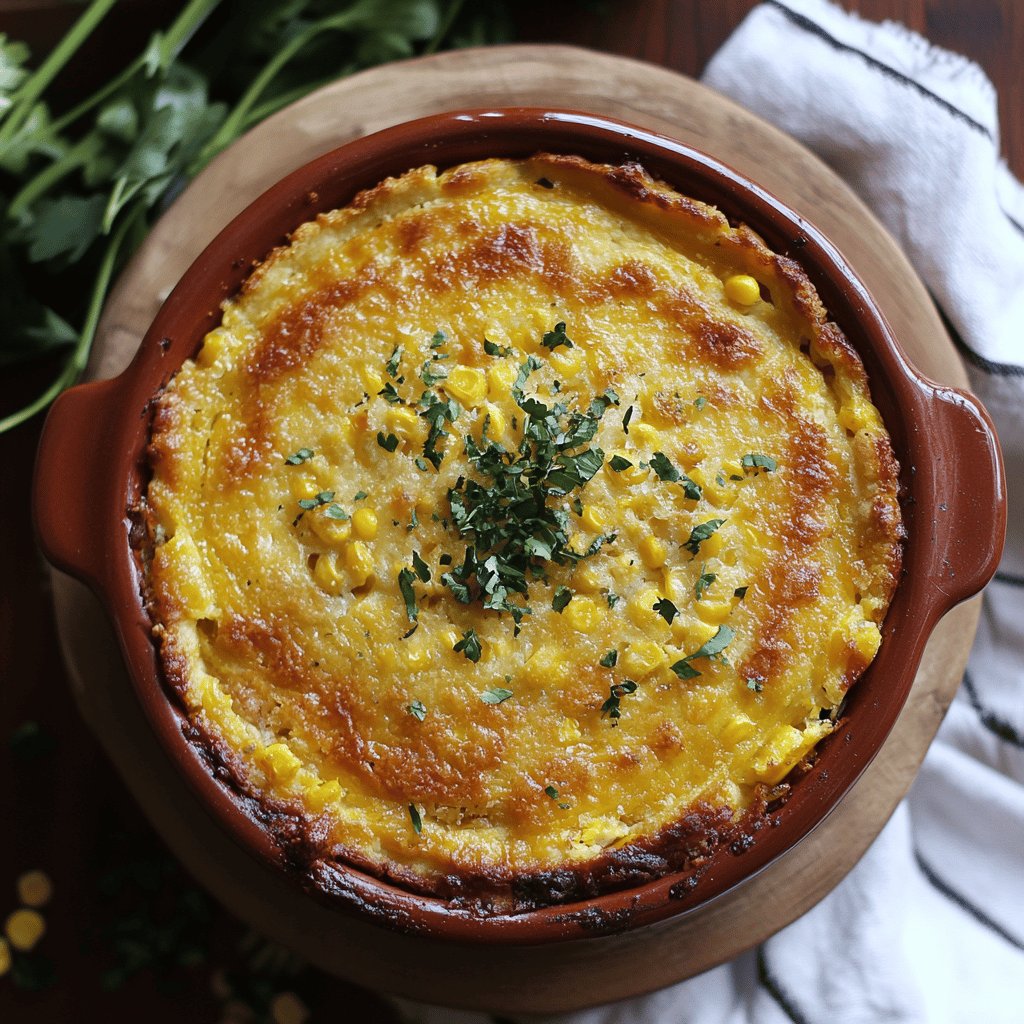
[513,76]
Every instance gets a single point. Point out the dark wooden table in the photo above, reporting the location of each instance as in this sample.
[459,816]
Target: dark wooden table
[130,936]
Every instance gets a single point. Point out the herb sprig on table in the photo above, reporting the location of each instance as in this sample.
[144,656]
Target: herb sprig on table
[80,187]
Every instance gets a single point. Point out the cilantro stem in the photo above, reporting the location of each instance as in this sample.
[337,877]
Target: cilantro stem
[445,27]
[77,156]
[33,87]
[80,354]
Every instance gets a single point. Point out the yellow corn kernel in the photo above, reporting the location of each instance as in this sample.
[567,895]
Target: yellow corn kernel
[5,957]
[645,436]
[324,794]
[467,384]
[737,729]
[641,608]
[280,762]
[784,749]
[24,928]
[190,579]
[652,551]
[547,664]
[215,344]
[403,423]
[359,562]
[712,546]
[692,633]
[715,612]
[416,658]
[643,504]
[303,485]
[567,362]
[327,575]
[372,380]
[364,523]
[603,831]
[742,289]
[633,475]
[500,378]
[587,580]
[331,531]
[583,614]
[569,730]
[641,658]
[855,415]
[593,519]
[867,639]
[449,638]
[35,888]
[674,587]
[496,422]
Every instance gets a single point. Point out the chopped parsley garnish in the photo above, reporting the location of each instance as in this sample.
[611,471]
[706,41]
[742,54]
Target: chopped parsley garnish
[557,337]
[321,499]
[493,349]
[390,394]
[334,511]
[720,479]
[417,709]
[704,581]
[625,420]
[551,792]
[495,695]
[662,465]
[618,463]
[414,817]
[755,683]
[711,649]
[414,521]
[389,442]
[563,595]
[405,578]
[445,559]
[612,599]
[611,706]
[609,660]
[421,567]
[300,456]
[666,609]
[431,373]
[469,645]
[690,488]
[421,463]
[740,592]
[700,533]
[359,495]
[757,462]
[545,183]
[392,364]
[438,339]
[436,413]
[700,401]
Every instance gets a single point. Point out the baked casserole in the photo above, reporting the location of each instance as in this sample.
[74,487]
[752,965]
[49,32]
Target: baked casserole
[518,531]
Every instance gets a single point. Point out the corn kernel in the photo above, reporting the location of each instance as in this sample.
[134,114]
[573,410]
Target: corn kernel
[652,551]
[593,519]
[587,580]
[742,289]
[737,729]
[855,415]
[403,423]
[867,639]
[645,436]
[192,582]
[5,957]
[303,485]
[215,344]
[359,562]
[500,379]
[641,608]
[35,888]
[279,760]
[25,928]
[694,634]
[569,730]
[372,380]
[784,748]
[327,576]
[714,611]
[567,361]
[583,614]
[496,422]
[634,474]
[603,831]
[547,664]
[364,523]
[324,794]
[331,531]
[467,384]
[642,657]
[712,546]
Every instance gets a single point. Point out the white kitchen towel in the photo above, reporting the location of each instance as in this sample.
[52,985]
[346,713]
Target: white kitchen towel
[929,927]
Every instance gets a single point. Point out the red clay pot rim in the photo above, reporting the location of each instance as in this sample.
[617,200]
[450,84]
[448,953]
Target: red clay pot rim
[955,507]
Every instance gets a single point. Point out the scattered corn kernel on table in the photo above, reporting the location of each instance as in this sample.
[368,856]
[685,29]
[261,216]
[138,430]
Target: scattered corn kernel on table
[100,911]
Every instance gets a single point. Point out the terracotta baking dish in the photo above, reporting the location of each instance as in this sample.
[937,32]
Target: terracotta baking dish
[91,471]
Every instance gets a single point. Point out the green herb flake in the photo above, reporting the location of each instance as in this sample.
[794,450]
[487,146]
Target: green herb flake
[557,337]
[715,645]
[740,592]
[469,645]
[700,401]
[611,707]
[334,511]
[431,373]
[390,395]
[720,479]
[438,339]
[417,709]
[421,567]
[421,463]
[388,442]
[405,580]
[684,669]
[414,817]
[666,609]
[690,488]
[493,349]
[321,499]
[609,660]
[551,791]
[700,533]
[612,599]
[625,420]
[755,683]
[704,581]
[662,465]
[757,462]
[360,495]
[563,595]
[300,456]
[495,695]
[392,364]
[618,463]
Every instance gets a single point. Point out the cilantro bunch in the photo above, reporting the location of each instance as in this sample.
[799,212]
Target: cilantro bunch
[80,187]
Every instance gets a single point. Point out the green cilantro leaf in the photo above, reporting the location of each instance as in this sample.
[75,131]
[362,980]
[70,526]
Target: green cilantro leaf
[700,533]
[414,817]
[438,339]
[495,695]
[625,420]
[393,360]
[755,683]
[715,645]
[756,462]
[609,660]
[661,465]
[405,579]
[417,709]
[389,443]
[684,669]
[611,707]
[556,337]
[493,349]
[700,401]
[469,645]
[666,609]
[690,488]
[334,511]
[321,499]
[300,456]
[563,595]
[741,592]
[703,582]
[421,567]
[618,463]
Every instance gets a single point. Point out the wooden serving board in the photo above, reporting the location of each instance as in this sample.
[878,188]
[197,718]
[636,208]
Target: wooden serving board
[514,76]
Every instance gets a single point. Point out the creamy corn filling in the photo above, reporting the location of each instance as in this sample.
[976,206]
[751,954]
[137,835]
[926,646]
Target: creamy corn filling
[513,512]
